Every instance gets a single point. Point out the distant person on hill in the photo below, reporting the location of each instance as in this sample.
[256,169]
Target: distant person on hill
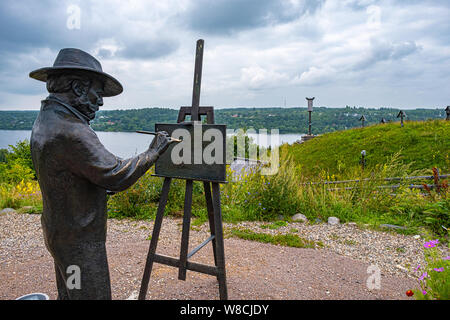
[75,170]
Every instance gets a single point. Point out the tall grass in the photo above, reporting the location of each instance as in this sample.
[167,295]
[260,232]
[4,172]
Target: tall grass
[250,195]
[265,198]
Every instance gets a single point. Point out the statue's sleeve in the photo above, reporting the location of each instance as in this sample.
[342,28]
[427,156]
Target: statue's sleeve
[86,156]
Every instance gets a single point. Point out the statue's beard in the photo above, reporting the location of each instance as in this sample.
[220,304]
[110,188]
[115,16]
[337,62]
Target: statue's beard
[86,107]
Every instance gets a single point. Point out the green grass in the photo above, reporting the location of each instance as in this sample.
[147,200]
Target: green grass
[289,240]
[421,144]
[275,225]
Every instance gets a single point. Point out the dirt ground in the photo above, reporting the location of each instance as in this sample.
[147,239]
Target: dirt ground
[254,270]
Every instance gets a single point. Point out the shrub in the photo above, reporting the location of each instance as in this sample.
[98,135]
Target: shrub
[17,164]
[14,172]
[138,201]
[21,152]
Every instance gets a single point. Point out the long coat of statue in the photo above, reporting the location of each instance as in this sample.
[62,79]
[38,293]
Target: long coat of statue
[74,171]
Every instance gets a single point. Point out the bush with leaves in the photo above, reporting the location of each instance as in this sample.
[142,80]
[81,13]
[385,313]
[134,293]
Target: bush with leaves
[17,164]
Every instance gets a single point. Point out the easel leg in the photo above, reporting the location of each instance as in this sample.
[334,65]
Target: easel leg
[155,236]
[220,251]
[185,232]
[210,208]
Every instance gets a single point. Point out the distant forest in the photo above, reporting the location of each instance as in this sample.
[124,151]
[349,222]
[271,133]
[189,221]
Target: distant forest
[287,120]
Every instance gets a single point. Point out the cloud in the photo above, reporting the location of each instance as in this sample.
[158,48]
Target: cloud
[25,25]
[257,52]
[229,16]
[33,32]
[385,51]
[257,78]
[315,75]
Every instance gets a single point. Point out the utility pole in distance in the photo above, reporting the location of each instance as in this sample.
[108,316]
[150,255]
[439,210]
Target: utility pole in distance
[309,136]
[310,109]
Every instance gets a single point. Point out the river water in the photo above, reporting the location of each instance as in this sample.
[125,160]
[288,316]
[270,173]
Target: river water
[128,144]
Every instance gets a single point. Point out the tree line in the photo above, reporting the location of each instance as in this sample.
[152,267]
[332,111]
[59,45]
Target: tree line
[286,120]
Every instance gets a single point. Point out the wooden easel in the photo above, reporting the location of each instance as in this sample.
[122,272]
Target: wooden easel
[212,196]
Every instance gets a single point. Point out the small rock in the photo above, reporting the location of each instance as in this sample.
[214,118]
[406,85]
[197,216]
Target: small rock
[416,237]
[300,217]
[352,224]
[7,210]
[401,268]
[333,221]
[133,296]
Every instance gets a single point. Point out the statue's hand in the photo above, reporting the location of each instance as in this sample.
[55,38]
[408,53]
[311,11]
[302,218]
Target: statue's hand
[161,142]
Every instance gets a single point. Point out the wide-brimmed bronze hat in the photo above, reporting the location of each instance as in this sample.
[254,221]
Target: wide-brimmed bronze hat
[78,60]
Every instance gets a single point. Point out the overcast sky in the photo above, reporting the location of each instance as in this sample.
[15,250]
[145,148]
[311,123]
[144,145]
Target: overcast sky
[369,53]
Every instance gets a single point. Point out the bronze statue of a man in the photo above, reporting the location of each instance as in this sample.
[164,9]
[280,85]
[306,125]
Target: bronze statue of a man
[74,171]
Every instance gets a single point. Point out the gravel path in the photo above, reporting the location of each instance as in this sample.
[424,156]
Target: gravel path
[254,270]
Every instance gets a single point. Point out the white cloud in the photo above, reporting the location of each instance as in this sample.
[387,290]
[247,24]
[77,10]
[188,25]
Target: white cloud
[315,75]
[257,78]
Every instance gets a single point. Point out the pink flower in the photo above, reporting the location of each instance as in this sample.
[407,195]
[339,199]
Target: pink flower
[417,268]
[424,292]
[425,274]
[447,258]
[439,269]
[431,243]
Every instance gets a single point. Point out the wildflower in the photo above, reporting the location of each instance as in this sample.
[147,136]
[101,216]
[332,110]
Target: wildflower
[425,274]
[409,293]
[439,269]
[446,258]
[431,244]
[424,292]
[417,268]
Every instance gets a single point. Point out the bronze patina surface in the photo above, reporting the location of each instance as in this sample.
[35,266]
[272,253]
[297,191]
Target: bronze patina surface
[75,171]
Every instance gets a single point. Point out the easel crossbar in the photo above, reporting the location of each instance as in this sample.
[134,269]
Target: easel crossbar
[204,243]
[197,267]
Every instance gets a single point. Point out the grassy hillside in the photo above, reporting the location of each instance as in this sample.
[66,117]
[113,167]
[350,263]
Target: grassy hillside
[422,144]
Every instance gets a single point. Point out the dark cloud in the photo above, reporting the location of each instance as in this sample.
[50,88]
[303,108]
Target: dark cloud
[27,25]
[149,49]
[228,16]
